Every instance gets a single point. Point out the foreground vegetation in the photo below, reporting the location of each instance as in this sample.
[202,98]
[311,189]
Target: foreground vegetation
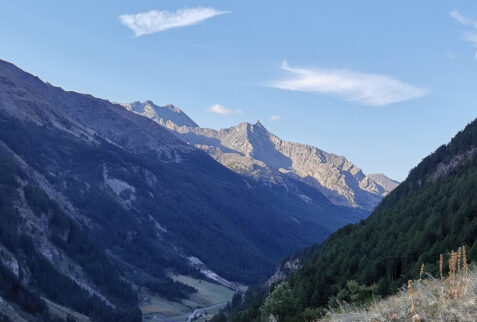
[451,298]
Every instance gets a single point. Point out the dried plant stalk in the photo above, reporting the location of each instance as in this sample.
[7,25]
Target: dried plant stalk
[415,316]
[452,264]
[464,259]
[441,263]
[459,253]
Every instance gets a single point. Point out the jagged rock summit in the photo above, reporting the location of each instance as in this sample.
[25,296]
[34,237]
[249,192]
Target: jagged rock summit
[161,114]
[252,150]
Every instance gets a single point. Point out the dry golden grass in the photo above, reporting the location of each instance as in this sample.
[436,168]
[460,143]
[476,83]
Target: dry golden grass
[450,298]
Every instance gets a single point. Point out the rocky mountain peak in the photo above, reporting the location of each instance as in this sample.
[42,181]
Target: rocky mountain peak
[259,124]
[251,149]
[161,114]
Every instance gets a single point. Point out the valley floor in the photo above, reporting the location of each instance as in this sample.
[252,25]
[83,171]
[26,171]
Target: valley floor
[210,297]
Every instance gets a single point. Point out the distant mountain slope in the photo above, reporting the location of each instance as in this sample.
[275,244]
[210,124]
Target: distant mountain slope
[251,149]
[105,203]
[432,212]
[161,114]
[45,253]
[385,182]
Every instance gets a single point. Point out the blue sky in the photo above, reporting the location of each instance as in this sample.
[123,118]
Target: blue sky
[382,83]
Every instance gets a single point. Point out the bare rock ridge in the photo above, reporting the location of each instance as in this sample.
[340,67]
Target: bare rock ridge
[161,114]
[384,181]
[252,150]
[28,98]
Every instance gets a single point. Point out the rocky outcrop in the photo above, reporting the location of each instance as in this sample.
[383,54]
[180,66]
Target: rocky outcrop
[282,273]
[443,168]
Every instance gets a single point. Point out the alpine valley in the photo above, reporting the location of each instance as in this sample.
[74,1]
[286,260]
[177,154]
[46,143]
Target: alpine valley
[124,212]
[238,161]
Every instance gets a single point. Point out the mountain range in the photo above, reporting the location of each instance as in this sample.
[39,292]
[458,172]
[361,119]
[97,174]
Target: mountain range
[252,150]
[100,205]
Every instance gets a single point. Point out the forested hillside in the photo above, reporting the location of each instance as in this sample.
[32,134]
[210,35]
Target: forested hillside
[432,212]
[28,242]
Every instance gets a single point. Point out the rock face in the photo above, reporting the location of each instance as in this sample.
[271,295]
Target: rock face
[282,273]
[252,150]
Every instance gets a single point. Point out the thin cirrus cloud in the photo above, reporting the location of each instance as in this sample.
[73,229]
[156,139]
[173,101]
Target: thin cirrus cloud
[153,21]
[469,35]
[466,21]
[275,117]
[363,88]
[220,109]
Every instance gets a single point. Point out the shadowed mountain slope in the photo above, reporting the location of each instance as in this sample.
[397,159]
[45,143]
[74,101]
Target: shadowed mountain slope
[105,203]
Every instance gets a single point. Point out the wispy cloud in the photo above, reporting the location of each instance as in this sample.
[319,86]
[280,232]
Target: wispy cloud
[275,117]
[219,109]
[471,34]
[156,20]
[367,89]
[466,21]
